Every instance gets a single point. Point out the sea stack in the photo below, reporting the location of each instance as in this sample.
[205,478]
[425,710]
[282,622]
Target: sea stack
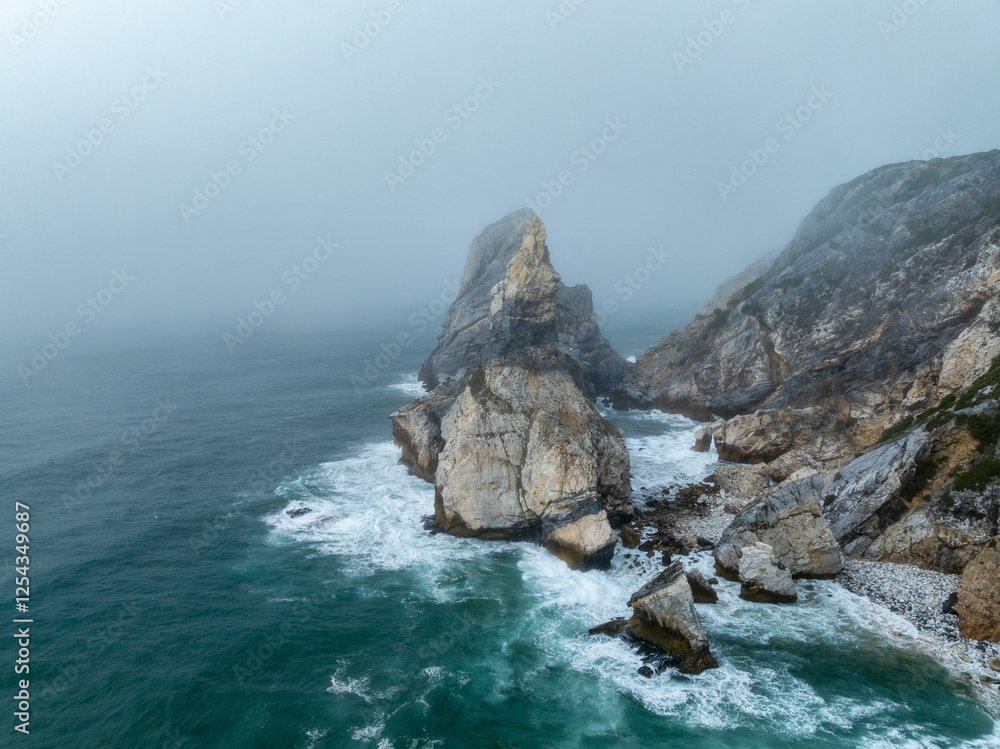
[512,442]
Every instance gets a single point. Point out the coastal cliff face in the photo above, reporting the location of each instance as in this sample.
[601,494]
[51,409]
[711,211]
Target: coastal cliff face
[883,302]
[508,435]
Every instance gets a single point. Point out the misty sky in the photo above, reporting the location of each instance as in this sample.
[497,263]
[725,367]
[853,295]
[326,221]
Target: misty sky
[505,93]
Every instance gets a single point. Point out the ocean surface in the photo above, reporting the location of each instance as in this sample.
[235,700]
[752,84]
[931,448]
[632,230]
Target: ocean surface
[180,601]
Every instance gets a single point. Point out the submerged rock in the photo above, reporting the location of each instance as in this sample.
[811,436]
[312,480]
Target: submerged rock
[790,521]
[664,615]
[978,605]
[762,579]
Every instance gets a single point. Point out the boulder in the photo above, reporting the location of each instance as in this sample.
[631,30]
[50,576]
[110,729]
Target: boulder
[702,439]
[663,614]
[630,538]
[743,482]
[701,588]
[790,521]
[762,579]
[978,605]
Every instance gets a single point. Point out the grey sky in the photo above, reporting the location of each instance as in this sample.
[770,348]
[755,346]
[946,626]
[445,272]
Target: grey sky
[550,88]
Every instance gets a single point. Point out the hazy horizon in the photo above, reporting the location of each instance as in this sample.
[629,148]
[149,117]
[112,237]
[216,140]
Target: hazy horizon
[399,144]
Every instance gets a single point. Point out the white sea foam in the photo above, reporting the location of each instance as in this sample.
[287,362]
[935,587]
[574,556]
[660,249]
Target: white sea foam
[410,385]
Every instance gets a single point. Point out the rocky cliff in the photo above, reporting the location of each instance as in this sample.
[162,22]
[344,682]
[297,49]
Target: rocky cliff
[510,438]
[883,302]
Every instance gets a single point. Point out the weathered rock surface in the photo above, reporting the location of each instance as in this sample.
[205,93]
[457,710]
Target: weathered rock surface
[978,604]
[742,482]
[867,495]
[883,302]
[514,446]
[470,336]
[701,588]
[664,615]
[762,579]
[789,521]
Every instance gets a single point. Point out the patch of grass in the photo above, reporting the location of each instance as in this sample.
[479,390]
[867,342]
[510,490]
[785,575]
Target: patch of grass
[978,475]
[990,379]
[719,318]
[926,470]
[829,499]
[985,428]
[478,381]
[901,427]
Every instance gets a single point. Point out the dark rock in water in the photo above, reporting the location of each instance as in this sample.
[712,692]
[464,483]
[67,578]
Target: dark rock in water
[949,604]
[667,558]
[614,628]
[704,543]
[298,512]
[713,581]
[630,539]
[701,589]
[647,545]
[664,615]
[645,671]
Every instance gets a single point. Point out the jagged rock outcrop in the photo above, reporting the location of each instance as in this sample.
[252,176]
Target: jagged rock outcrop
[978,605]
[762,578]
[866,497]
[790,522]
[884,301]
[663,614]
[469,337]
[512,443]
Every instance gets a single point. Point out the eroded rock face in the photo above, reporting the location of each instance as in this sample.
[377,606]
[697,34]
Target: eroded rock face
[762,579]
[473,334]
[510,439]
[978,604]
[524,447]
[790,522]
[664,615]
[884,301]
[701,588]
[867,496]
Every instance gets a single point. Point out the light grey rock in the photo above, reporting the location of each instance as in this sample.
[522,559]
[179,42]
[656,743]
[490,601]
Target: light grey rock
[866,497]
[790,520]
[762,579]
[664,615]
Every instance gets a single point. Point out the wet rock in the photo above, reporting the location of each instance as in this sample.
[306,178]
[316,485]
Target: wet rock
[790,520]
[701,588]
[614,628]
[702,439]
[762,579]
[630,539]
[298,512]
[949,604]
[664,615]
[645,671]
